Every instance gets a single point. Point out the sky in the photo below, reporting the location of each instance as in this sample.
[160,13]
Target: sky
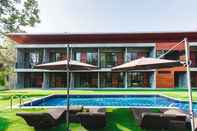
[87,16]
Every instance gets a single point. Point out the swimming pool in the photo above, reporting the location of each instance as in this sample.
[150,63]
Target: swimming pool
[110,101]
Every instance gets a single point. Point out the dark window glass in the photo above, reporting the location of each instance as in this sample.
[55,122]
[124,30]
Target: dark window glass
[57,79]
[57,55]
[111,57]
[136,54]
[87,80]
[173,55]
[33,80]
[194,79]
[108,80]
[86,56]
[138,79]
[33,57]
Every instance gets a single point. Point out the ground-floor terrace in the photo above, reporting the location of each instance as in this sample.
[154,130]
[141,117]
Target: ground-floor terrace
[117,119]
[102,80]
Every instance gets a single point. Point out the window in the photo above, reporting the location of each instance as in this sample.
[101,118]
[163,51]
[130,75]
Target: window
[111,80]
[33,57]
[86,56]
[57,80]
[87,80]
[111,57]
[33,80]
[138,79]
[173,55]
[57,55]
[136,54]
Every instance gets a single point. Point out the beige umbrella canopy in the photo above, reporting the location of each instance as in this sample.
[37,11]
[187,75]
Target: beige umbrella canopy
[62,65]
[147,63]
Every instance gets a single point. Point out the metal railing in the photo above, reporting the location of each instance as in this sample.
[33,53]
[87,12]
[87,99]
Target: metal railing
[20,98]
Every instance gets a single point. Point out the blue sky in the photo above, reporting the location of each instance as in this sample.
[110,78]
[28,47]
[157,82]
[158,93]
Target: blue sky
[116,16]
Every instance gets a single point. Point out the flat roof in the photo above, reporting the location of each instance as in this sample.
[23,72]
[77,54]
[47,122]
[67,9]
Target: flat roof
[136,37]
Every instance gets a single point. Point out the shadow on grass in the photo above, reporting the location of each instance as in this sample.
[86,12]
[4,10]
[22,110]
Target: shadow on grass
[61,127]
[120,120]
[4,123]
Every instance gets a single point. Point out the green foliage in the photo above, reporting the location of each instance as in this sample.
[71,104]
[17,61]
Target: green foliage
[14,16]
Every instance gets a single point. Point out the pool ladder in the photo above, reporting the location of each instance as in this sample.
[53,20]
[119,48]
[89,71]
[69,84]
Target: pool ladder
[20,100]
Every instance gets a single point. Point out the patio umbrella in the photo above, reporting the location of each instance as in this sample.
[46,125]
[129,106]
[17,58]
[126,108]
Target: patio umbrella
[156,63]
[147,63]
[67,65]
[62,65]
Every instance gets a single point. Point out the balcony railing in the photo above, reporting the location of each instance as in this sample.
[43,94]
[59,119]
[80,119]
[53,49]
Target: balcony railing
[26,65]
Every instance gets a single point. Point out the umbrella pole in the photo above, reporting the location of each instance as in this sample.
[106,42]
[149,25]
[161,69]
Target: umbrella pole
[68,87]
[189,83]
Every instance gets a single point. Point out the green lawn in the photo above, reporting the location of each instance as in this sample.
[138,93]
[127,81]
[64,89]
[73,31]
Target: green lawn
[117,119]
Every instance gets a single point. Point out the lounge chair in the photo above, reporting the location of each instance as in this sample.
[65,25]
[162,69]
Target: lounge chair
[163,121]
[159,121]
[52,118]
[93,119]
[180,112]
[137,113]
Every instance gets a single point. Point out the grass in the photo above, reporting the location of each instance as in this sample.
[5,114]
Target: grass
[117,119]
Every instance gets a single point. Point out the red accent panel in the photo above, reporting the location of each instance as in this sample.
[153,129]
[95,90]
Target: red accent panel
[103,38]
[168,45]
[115,79]
[145,79]
[165,79]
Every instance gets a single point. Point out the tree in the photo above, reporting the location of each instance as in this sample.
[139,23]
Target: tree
[14,16]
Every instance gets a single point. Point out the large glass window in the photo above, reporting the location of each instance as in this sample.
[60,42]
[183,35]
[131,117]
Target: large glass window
[87,80]
[111,57]
[33,80]
[138,79]
[135,53]
[86,56]
[111,79]
[33,57]
[173,55]
[194,79]
[57,55]
[57,79]
[193,57]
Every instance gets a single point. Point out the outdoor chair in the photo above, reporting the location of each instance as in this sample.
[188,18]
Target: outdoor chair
[161,121]
[93,119]
[52,118]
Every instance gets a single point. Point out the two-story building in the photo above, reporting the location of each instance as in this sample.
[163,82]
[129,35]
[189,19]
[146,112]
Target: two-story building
[104,50]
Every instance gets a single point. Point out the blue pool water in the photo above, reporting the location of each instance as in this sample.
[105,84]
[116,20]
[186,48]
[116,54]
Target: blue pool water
[115,101]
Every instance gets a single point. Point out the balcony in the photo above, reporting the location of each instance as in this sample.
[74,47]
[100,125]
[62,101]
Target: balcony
[25,65]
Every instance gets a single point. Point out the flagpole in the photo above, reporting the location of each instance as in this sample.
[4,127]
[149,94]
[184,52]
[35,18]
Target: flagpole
[187,59]
[68,87]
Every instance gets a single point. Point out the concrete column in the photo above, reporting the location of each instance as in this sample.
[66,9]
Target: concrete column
[98,53]
[153,80]
[126,80]
[71,53]
[126,74]
[71,80]
[153,53]
[45,56]
[125,55]
[45,84]
[98,81]
[19,80]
